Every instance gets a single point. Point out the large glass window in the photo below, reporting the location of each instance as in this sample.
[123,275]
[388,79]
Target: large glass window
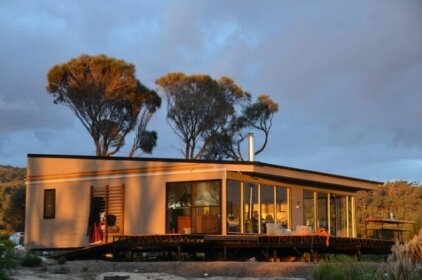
[334,212]
[308,208]
[255,206]
[179,202]
[206,205]
[250,206]
[193,207]
[233,206]
[338,217]
[322,212]
[267,206]
[282,209]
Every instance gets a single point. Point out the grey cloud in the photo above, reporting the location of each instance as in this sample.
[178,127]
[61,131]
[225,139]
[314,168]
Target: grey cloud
[346,75]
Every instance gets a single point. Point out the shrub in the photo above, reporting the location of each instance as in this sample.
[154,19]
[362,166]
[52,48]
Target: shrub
[61,260]
[347,269]
[8,260]
[8,243]
[326,271]
[4,236]
[31,260]
[4,275]
[405,261]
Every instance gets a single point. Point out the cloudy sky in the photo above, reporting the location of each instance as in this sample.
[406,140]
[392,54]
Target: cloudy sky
[346,74]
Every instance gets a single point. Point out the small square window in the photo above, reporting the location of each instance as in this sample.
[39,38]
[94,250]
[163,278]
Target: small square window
[49,204]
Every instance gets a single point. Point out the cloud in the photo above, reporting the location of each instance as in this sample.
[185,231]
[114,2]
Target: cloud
[346,75]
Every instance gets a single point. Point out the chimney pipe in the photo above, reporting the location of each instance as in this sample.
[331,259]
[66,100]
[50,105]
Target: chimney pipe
[251,152]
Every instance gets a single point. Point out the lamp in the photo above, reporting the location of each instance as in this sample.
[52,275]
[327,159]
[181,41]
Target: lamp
[298,205]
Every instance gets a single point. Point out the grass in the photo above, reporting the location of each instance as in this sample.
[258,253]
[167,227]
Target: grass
[346,269]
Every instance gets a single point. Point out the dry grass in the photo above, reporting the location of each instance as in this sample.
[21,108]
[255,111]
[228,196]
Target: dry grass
[405,262]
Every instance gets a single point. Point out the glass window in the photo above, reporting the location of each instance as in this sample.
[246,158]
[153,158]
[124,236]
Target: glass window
[193,207]
[267,206]
[49,204]
[322,211]
[233,206]
[207,194]
[206,207]
[179,198]
[282,206]
[251,209]
[340,217]
[308,208]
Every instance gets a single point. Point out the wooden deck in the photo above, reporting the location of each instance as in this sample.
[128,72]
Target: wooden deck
[231,247]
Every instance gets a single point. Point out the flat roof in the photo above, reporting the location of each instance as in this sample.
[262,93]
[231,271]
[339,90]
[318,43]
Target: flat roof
[175,160]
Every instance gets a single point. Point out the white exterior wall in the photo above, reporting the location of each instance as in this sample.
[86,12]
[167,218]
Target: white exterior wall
[145,209]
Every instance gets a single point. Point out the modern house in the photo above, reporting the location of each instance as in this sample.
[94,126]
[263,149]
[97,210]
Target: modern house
[72,201]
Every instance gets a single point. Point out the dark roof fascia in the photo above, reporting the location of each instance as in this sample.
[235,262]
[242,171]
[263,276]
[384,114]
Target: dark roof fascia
[308,183]
[255,163]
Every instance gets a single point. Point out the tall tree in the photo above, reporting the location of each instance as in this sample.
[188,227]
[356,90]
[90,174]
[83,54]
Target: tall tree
[213,117]
[106,97]
[12,199]
[255,118]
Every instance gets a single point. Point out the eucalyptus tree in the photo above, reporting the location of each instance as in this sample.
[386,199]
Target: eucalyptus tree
[213,117]
[106,97]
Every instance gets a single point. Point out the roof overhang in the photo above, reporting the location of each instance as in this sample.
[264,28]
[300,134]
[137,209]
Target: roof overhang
[270,172]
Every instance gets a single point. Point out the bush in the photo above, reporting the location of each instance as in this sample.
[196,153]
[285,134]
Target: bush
[4,236]
[31,260]
[61,260]
[347,269]
[8,260]
[326,271]
[405,262]
[8,243]
[4,275]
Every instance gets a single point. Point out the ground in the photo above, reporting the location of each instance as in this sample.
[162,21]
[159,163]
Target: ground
[95,269]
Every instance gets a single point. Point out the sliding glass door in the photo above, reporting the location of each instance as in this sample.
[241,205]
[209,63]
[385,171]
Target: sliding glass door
[331,211]
[260,204]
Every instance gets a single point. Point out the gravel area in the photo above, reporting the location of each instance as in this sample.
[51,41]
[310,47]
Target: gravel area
[101,270]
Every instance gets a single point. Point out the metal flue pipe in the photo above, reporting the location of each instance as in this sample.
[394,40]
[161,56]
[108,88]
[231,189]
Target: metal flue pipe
[251,151]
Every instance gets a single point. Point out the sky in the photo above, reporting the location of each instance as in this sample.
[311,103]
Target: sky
[347,75]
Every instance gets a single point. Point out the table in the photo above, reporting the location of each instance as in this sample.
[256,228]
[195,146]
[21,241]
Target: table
[389,232]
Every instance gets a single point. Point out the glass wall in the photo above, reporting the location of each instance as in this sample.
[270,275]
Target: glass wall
[338,219]
[233,207]
[283,213]
[308,208]
[255,205]
[267,206]
[250,206]
[322,211]
[193,207]
[334,212]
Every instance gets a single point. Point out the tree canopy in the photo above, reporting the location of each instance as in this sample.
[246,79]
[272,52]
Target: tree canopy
[213,117]
[12,199]
[106,97]
[402,198]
